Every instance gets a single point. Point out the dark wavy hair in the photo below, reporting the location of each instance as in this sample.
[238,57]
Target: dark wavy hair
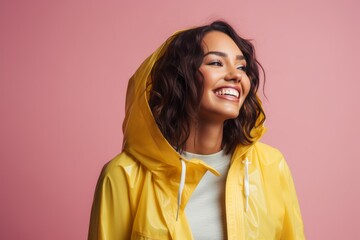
[176,91]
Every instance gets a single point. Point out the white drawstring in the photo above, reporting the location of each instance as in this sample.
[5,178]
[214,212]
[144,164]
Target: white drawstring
[246,183]
[181,186]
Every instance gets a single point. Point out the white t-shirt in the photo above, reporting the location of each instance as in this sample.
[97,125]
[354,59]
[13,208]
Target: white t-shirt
[205,210]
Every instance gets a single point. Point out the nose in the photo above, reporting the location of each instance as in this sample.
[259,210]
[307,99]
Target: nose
[233,75]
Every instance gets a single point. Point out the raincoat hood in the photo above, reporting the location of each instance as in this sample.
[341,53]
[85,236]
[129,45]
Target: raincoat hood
[142,137]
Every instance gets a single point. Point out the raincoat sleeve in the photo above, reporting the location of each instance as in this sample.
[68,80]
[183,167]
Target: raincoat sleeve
[293,228]
[110,214]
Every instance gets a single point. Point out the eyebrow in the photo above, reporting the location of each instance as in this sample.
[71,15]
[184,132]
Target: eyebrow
[222,54]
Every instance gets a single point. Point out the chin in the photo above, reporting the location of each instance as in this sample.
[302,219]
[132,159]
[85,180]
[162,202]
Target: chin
[232,115]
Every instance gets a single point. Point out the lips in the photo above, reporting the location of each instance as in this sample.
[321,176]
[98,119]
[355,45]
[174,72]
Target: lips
[228,92]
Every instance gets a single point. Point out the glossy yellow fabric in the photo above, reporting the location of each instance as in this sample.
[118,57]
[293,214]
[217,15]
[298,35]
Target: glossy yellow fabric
[136,195]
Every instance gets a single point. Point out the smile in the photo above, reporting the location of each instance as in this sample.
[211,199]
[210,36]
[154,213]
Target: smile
[228,92]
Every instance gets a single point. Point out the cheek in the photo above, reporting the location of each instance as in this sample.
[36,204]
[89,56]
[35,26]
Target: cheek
[210,77]
[246,86]
[208,83]
[207,79]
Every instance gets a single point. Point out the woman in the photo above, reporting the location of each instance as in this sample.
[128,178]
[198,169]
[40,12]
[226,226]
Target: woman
[192,166]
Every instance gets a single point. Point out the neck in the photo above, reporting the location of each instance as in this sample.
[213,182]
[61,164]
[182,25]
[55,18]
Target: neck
[205,138]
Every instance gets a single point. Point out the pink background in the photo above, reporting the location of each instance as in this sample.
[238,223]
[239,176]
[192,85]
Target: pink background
[64,67]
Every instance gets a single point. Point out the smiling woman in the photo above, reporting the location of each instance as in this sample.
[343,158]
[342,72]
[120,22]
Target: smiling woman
[225,80]
[192,166]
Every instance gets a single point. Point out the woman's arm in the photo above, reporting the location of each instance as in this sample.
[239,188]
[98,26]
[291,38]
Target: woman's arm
[293,228]
[111,212]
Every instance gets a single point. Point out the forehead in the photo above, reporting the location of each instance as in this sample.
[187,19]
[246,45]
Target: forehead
[219,41]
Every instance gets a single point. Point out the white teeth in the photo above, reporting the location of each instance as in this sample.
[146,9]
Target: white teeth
[228,91]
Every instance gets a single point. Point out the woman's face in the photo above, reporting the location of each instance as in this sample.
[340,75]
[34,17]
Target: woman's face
[226,84]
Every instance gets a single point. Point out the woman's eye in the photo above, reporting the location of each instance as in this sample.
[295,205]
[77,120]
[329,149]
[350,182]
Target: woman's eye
[216,63]
[242,67]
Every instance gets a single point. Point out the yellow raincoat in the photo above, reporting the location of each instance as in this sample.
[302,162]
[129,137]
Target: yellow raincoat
[138,191]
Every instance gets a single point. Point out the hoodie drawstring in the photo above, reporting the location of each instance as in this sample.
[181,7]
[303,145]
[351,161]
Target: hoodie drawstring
[181,186]
[246,183]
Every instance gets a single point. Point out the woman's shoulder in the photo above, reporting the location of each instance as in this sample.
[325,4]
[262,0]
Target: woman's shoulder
[267,154]
[122,164]
[270,161]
